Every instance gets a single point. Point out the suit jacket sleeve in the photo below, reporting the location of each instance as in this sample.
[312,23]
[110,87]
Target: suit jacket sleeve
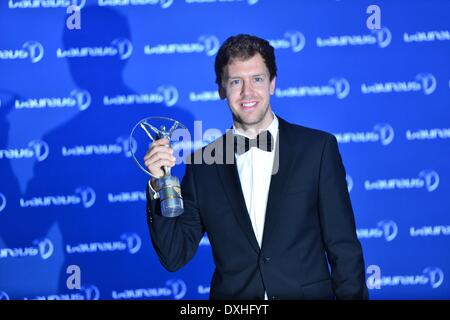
[176,239]
[343,248]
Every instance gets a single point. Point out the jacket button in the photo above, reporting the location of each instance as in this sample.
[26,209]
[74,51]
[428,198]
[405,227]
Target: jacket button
[266,259]
[273,298]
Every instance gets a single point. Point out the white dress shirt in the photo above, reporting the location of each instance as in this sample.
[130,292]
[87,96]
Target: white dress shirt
[255,172]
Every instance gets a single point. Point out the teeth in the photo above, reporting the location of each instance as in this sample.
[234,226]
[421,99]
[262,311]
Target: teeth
[249,104]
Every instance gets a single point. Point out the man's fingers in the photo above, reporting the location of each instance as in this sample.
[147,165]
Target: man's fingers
[165,152]
[160,152]
[156,167]
[161,142]
[160,156]
[156,149]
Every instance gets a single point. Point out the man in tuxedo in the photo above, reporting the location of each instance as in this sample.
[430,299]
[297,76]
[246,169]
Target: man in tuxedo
[278,215]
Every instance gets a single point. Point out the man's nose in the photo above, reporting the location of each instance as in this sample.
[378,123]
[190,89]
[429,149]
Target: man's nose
[247,88]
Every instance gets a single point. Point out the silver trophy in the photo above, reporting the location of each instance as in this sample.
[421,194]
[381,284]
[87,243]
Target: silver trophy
[167,187]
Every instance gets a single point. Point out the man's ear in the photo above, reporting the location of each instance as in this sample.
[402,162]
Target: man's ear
[222,93]
[272,85]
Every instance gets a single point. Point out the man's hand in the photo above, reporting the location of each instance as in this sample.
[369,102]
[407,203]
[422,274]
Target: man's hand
[158,156]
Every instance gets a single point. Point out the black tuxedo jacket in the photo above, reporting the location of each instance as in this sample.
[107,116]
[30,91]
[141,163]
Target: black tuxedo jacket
[310,249]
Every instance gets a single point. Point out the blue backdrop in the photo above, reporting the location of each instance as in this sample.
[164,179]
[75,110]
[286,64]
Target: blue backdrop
[70,193]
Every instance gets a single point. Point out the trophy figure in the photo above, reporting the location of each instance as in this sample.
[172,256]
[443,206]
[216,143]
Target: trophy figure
[167,187]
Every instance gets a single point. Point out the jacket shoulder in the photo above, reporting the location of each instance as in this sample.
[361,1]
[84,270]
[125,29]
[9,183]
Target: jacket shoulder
[303,133]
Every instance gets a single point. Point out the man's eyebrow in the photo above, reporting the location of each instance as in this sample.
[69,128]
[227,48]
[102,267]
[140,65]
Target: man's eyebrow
[253,75]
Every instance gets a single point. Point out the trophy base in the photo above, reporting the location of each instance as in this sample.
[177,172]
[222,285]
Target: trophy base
[170,195]
[169,211]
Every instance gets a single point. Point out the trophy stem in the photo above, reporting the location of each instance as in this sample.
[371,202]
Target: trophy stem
[166,171]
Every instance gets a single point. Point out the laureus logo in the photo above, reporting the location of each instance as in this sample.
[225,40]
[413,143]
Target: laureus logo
[431,179]
[82,97]
[87,196]
[124,47]
[2,202]
[342,87]
[170,95]
[133,242]
[349,182]
[428,82]
[40,149]
[45,247]
[294,39]
[297,40]
[210,43]
[383,36]
[32,50]
[129,145]
[386,133]
[91,292]
[385,228]
[435,275]
[178,288]
[4,295]
[390,229]
[79,3]
[35,50]
[166,3]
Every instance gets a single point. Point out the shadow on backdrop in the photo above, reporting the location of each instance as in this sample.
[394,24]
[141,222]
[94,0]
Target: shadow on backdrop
[79,185]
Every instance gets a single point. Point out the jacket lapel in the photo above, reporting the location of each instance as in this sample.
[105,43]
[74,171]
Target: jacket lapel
[232,187]
[278,180]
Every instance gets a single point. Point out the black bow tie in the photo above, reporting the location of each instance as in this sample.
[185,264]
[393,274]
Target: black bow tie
[263,141]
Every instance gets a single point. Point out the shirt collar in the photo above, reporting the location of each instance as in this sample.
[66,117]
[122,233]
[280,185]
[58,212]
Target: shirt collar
[272,128]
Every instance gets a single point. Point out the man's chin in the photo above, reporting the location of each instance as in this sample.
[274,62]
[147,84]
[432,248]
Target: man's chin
[250,121]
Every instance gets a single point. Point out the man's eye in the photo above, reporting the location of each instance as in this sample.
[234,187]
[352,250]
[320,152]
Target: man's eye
[258,79]
[234,82]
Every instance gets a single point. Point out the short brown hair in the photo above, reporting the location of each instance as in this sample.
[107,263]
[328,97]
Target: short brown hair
[244,46]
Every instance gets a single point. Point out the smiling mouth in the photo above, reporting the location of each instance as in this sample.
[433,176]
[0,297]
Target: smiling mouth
[250,105]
